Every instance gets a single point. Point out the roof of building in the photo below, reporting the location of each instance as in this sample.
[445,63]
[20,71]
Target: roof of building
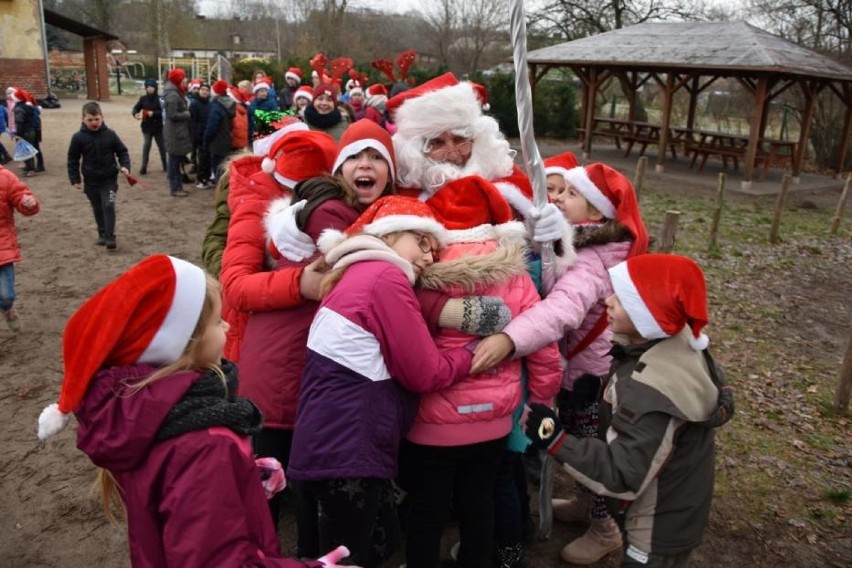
[730,47]
[75,27]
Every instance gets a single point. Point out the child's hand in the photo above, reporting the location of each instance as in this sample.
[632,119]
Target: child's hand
[125,171]
[309,283]
[77,186]
[491,351]
[29,201]
[332,558]
[138,116]
[271,476]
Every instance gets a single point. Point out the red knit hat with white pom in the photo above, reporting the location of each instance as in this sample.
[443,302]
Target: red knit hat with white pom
[294,73]
[469,208]
[662,294]
[386,215]
[146,315]
[611,193]
[300,155]
[365,134]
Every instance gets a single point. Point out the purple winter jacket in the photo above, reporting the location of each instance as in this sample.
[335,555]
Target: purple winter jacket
[369,352]
[195,500]
[571,310]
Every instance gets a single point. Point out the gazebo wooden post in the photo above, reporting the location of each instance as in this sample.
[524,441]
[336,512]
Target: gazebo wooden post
[668,93]
[533,81]
[810,92]
[692,87]
[102,69]
[632,78]
[760,97]
[847,129]
[90,62]
[590,111]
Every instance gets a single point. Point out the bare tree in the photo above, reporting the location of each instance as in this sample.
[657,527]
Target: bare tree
[442,20]
[463,32]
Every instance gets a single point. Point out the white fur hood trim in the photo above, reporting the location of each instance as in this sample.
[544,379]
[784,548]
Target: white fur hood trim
[361,248]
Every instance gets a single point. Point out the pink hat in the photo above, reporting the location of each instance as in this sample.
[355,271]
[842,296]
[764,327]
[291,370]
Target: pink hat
[662,294]
[146,315]
[611,193]
[364,134]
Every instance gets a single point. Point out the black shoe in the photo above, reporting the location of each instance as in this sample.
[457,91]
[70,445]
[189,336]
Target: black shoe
[39,170]
[110,242]
[101,240]
[143,171]
[185,178]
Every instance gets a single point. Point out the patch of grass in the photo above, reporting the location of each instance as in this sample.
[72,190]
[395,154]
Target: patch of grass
[840,496]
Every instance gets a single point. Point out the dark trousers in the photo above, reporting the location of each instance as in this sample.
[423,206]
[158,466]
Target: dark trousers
[215,164]
[276,443]
[512,522]
[173,173]
[102,198]
[656,561]
[5,156]
[40,156]
[147,137]
[359,513]
[433,475]
[202,164]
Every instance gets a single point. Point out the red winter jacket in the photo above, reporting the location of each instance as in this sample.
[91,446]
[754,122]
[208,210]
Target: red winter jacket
[12,192]
[274,344]
[248,285]
[239,128]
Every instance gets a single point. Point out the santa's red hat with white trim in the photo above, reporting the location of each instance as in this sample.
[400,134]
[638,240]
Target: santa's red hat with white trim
[560,164]
[299,155]
[386,215]
[364,134]
[611,193]
[260,85]
[294,73]
[662,294]
[146,315]
[304,91]
[287,124]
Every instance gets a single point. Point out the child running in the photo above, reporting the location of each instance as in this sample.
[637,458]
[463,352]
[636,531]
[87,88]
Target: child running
[14,196]
[98,147]
[601,204]
[156,411]
[369,352]
[664,399]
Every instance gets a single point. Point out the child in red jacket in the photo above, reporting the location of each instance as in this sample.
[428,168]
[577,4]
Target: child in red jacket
[14,196]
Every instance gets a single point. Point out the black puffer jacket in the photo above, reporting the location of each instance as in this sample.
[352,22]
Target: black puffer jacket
[153,123]
[99,150]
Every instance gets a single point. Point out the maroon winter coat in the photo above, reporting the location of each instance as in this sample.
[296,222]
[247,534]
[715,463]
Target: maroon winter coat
[272,354]
[195,500]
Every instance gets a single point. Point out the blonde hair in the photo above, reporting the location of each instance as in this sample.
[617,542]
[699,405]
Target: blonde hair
[105,486]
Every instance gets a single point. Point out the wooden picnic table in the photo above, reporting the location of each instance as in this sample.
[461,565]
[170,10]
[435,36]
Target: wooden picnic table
[706,143]
[645,133]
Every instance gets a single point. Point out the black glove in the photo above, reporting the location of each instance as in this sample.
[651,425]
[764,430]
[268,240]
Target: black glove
[544,429]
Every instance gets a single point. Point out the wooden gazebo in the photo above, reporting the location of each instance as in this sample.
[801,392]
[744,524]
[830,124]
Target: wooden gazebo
[691,56]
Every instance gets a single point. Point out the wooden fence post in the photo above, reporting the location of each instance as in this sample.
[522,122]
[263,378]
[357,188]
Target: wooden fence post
[717,213]
[639,178]
[669,232]
[838,215]
[779,208]
[844,381]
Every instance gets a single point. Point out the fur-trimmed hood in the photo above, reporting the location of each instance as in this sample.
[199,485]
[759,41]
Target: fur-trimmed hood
[610,231]
[473,272]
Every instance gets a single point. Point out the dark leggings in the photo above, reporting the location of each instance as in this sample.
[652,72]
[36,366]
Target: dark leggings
[276,443]
[511,501]
[433,475]
[359,513]
[147,137]
[102,198]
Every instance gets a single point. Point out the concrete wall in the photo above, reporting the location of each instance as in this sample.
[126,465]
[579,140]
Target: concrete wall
[21,49]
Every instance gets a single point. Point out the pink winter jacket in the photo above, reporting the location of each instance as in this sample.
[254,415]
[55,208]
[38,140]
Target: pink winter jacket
[479,407]
[571,310]
[12,192]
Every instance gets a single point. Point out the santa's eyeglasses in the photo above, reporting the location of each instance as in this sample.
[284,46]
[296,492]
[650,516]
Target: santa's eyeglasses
[441,149]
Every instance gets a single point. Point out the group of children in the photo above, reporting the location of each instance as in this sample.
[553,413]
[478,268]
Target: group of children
[397,390]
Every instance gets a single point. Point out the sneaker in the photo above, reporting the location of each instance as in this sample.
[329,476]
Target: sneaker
[180,193]
[29,173]
[143,171]
[13,322]
[203,185]
[101,241]
[110,242]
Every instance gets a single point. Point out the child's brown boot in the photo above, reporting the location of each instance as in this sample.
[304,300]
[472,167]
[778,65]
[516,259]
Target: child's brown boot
[602,538]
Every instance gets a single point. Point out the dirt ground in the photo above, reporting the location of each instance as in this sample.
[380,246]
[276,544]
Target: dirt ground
[47,519]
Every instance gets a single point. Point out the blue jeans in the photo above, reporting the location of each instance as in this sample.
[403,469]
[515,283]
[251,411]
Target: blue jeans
[7,286]
[173,173]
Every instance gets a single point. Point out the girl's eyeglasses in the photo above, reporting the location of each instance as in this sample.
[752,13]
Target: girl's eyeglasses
[425,243]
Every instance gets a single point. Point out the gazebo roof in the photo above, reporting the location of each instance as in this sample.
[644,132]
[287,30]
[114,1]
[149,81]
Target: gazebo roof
[726,47]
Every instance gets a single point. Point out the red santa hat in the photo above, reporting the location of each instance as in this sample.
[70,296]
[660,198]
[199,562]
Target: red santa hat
[611,193]
[304,91]
[294,73]
[146,315]
[662,294]
[300,155]
[560,164]
[287,124]
[388,215]
[195,84]
[235,93]
[220,88]
[176,76]
[364,134]
[482,95]
[17,94]
[376,95]
[470,208]
[325,89]
[262,84]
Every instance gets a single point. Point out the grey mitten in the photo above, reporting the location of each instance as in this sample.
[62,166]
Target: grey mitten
[476,315]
